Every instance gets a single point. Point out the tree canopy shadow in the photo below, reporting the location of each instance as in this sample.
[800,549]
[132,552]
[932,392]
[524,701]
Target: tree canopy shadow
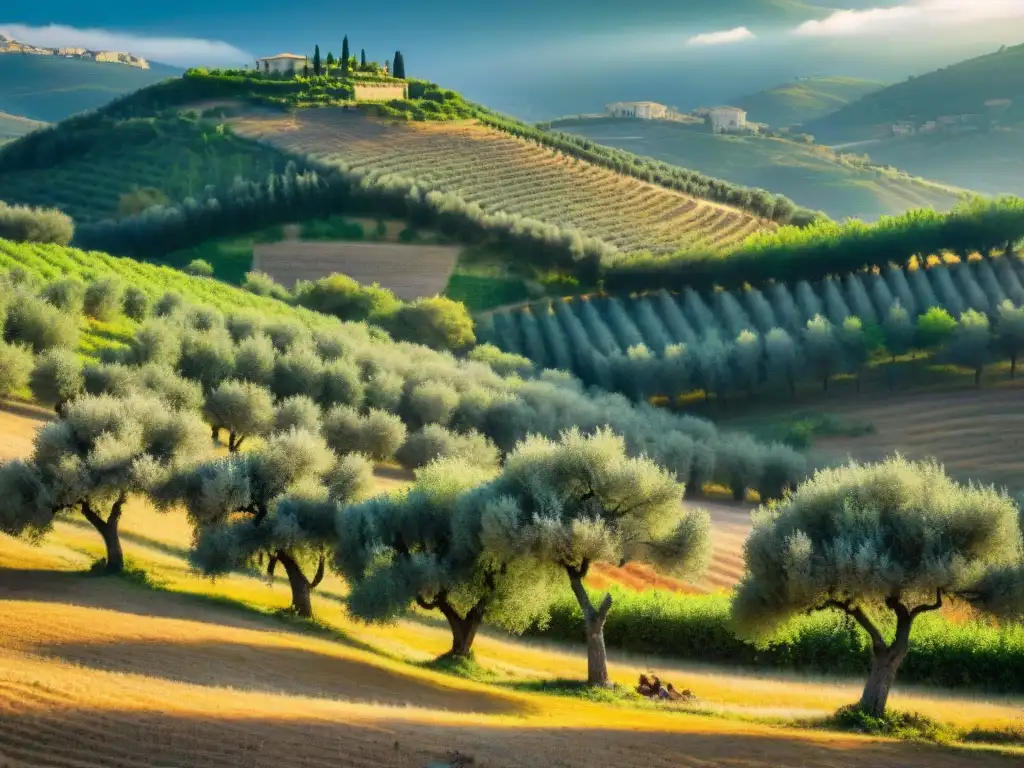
[278,670]
[69,735]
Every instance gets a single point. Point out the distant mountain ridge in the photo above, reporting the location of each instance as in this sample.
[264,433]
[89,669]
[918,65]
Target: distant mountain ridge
[8,45]
[987,89]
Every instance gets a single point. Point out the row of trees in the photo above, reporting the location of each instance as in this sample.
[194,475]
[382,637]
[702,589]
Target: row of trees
[478,545]
[446,406]
[826,248]
[348,63]
[298,195]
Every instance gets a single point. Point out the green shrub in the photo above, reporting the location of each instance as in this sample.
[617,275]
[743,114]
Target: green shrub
[698,628]
[136,303]
[343,297]
[263,284]
[437,322]
[103,299]
[16,363]
[35,225]
[67,295]
[40,325]
[200,268]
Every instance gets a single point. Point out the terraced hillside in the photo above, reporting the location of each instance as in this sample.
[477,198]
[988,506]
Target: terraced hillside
[503,173]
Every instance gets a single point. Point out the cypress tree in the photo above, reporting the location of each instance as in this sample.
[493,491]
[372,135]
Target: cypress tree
[362,58]
[399,68]
[316,61]
[345,55]
[330,60]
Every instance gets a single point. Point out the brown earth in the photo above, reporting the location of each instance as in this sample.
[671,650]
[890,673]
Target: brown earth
[410,271]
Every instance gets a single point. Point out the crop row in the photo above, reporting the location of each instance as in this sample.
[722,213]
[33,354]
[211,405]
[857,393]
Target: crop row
[502,173]
[591,336]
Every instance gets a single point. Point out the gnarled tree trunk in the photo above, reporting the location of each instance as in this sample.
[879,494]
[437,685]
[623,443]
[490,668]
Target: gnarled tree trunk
[108,529]
[464,628]
[594,618]
[301,587]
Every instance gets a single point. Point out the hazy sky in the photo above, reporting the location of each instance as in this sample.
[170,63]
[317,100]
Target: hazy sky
[541,58]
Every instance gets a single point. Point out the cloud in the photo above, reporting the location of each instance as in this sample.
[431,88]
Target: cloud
[912,15]
[722,37]
[180,51]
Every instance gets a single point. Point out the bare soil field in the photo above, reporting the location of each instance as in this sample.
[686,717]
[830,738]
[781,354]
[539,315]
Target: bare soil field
[410,271]
[503,173]
[975,433]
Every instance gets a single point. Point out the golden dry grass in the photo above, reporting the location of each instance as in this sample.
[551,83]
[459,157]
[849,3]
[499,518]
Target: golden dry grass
[503,173]
[410,271]
[101,672]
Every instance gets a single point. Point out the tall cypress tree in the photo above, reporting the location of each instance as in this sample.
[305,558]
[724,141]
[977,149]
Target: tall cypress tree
[345,55]
[362,58]
[330,61]
[399,68]
[316,61]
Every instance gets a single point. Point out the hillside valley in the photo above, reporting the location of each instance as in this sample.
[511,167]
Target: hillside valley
[804,99]
[812,176]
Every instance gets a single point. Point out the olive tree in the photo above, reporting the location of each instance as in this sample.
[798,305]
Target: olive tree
[412,549]
[242,408]
[970,343]
[582,499]
[897,537]
[821,346]
[102,450]
[57,378]
[1010,333]
[16,364]
[782,359]
[268,506]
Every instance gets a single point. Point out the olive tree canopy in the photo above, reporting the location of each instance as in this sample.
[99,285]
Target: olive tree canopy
[407,549]
[582,499]
[896,537]
[99,452]
[275,504]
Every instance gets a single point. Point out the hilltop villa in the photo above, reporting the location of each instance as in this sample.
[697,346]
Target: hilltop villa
[644,110]
[283,63]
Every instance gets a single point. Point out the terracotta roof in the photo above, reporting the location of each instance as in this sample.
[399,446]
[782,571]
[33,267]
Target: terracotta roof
[282,56]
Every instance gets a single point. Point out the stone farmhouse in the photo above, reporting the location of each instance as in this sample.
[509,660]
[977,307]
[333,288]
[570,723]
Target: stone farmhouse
[282,63]
[725,119]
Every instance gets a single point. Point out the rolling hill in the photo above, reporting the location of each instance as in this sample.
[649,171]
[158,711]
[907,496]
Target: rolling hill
[812,176]
[50,88]
[960,89]
[804,99]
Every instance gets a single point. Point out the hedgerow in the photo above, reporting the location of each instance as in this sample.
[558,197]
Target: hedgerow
[971,654]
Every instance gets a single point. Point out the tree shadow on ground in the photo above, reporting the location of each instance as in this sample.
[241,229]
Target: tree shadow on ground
[279,670]
[114,594]
[88,737]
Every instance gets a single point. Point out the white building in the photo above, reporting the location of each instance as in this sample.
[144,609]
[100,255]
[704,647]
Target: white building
[727,119]
[283,63]
[644,110]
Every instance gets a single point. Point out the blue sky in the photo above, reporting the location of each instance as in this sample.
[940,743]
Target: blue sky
[541,58]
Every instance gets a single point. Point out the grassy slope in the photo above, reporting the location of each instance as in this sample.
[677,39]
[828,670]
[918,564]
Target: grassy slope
[48,88]
[802,100]
[958,89]
[992,162]
[811,176]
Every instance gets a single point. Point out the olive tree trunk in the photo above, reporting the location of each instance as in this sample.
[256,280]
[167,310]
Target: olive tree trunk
[464,628]
[301,587]
[108,529]
[594,618]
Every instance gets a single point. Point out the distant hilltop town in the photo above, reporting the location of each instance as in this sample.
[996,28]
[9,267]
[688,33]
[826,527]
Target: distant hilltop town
[7,45]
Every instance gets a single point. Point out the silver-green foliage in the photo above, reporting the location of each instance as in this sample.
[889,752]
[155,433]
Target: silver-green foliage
[434,442]
[895,537]
[57,377]
[16,363]
[242,408]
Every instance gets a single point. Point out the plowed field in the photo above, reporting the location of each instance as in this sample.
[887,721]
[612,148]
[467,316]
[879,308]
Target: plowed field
[410,271]
[503,173]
